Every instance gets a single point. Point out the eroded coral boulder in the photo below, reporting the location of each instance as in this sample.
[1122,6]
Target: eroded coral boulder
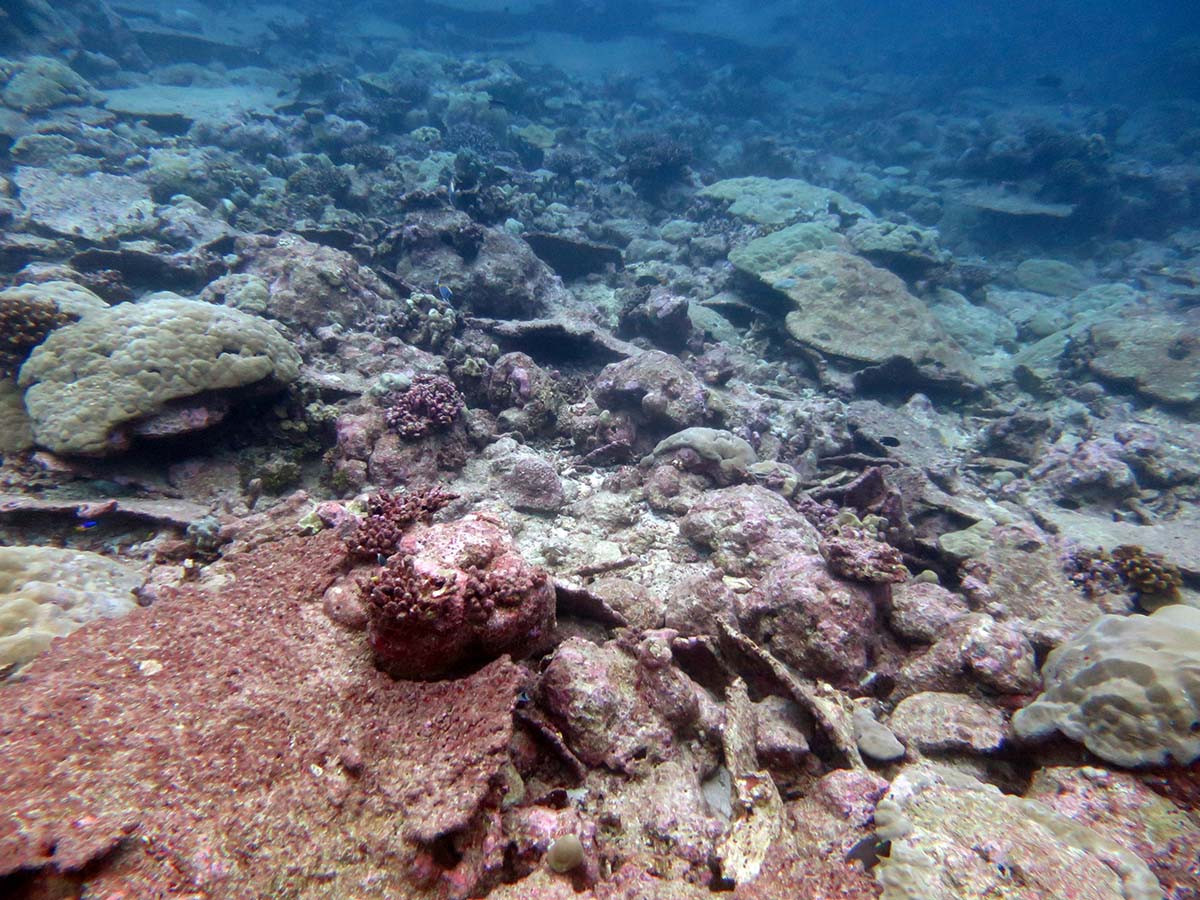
[821,626]
[747,527]
[618,706]
[456,595]
[655,388]
[307,285]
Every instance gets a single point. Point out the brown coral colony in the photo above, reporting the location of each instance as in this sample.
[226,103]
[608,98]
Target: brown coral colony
[24,323]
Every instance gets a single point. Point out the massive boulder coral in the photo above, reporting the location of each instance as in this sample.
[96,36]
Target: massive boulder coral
[92,383]
[1128,687]
[47,592]
[712,451]
[306,285]
[456,595]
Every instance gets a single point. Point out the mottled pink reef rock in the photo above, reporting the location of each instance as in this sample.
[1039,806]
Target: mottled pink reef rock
[236,743]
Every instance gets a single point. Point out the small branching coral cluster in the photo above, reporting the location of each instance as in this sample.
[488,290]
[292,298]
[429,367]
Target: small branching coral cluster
[432,403]
[389,515]
[485,591]
[24,323]
[1148,576]
[399,593]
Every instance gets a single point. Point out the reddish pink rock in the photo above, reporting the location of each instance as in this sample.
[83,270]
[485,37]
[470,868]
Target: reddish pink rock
[821,626]
[973,650]
[747,528]
[1126,811]
[615,707]
[235,743]
[456,595]
[655,388]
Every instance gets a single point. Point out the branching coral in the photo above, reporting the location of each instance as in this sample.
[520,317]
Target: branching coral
[432,403]
[390,515]
[1152,580]
[399,594]
[1155,581]
[24,323]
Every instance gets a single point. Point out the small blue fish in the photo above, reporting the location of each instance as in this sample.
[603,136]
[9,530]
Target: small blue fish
[445,293]
[86,524]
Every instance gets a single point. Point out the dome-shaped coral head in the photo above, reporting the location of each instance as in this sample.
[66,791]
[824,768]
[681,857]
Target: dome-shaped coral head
[454,597]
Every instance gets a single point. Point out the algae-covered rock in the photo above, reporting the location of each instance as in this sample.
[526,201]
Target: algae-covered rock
[96,207]
[782,201]
[91,380]
[303,284]
[1051,276]
[747,528]
[955,838]
[1018,578]
[944,722]
[46,592]
[845,307]
[1128,687]
[653,386]
[1158,355]
[40,83]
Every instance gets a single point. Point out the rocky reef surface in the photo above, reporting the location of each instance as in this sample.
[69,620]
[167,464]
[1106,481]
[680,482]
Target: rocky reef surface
[433,474]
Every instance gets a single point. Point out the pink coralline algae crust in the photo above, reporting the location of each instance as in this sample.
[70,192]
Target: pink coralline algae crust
[1122,808]
[236,743]
[864,559]
[456,595]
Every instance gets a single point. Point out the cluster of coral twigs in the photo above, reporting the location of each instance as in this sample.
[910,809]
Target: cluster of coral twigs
[389,515]
[1147,575]
[432,403]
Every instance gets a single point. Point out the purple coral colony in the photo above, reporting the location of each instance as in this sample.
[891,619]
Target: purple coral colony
[553,449]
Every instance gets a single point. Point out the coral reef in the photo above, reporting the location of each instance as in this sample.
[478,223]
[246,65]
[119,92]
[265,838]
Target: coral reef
[534,450]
